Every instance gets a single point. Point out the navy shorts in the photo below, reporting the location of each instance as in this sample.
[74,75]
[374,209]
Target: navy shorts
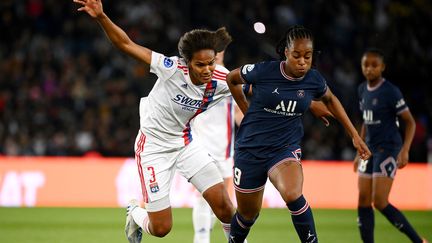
[382,163]
[251,172]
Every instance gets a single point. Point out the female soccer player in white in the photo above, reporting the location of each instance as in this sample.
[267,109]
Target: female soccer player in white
[186,87]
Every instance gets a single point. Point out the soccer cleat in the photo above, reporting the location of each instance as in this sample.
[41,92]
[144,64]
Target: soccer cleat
[132,230]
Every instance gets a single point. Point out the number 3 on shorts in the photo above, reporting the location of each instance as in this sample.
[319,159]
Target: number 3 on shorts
[237,175]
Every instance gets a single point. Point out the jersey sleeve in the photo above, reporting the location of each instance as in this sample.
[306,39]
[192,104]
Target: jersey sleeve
[397,101]
[322,86]
[219,74]
[246,89]
[249,73]
[164,67]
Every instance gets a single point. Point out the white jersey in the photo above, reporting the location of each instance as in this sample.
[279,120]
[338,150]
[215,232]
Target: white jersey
[215,129]
[174,101]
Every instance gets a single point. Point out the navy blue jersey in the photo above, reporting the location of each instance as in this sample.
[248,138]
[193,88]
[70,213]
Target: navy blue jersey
[380,106]
[273,120]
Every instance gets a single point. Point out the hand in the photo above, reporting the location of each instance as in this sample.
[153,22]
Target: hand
[362,149]
[92,7]
[319,110]
[402,159]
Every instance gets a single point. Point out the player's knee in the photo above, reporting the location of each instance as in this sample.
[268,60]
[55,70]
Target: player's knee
[380,202]
[219,201]
[224,211]
[162,229]
[291,195]
[364,200]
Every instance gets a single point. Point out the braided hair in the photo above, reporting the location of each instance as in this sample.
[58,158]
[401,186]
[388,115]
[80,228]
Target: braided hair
[293,33]
[375,51]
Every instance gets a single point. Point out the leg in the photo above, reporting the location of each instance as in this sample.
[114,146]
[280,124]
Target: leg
[202,220]
[287,177]
[250,176]
[156,170]
[249,206]
[366,218]
[209,182]
[157,223]
[382,187]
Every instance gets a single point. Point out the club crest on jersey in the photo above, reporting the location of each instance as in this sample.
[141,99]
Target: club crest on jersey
[154,187]
[209,92]
[300,93]
[168,62]
[375,101]
[247,68]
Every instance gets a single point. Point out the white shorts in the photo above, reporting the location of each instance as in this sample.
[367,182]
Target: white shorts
[157,166]
[225,167]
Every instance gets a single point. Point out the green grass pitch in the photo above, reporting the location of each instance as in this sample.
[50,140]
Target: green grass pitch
[105,225]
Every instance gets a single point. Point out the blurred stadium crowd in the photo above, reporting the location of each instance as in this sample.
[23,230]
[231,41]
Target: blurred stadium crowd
[64,90]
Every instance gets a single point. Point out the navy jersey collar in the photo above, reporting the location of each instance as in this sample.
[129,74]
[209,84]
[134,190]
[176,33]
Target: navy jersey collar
[282,70]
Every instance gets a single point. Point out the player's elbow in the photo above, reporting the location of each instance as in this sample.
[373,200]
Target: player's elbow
[233,78]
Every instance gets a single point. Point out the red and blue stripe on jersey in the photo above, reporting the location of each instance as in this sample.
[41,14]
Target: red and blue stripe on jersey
[207,98]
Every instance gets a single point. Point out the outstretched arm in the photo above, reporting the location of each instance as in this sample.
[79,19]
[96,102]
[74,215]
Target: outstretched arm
[336,108]
[235,85]
[116,35]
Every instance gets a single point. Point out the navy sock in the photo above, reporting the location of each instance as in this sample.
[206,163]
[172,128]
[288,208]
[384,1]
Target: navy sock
[303,221]
[400,222]
[366,223]
[240,228]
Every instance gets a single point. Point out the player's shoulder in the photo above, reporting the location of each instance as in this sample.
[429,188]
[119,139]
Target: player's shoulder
[161,56]
[260,66]
[269,65]
[166,62]
[315,75]
[390,85]
[220,73]
[362,86]
[389,88]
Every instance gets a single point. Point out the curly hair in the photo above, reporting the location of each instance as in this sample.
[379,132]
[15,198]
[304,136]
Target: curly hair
[200,39]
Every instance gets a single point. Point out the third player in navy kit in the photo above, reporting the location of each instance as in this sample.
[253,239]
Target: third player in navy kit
[381,103]
[268,140]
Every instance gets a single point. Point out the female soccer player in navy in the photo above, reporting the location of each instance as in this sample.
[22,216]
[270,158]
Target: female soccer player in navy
[268,140]
[382,104]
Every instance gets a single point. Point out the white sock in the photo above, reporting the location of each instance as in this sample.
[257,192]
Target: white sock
[226,229]
[213,219]
[202,220]
[141,218]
